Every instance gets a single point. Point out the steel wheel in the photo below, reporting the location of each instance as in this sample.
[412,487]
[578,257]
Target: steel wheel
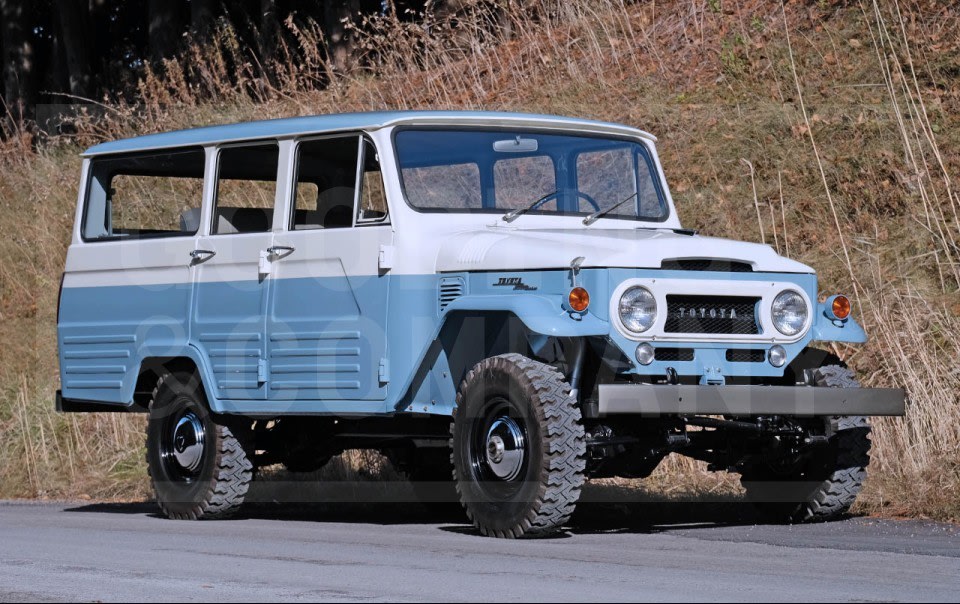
[183,445]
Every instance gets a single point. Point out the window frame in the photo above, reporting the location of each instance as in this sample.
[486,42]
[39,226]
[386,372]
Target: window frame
[88,189]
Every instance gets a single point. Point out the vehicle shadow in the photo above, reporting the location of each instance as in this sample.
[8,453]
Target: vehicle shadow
[602,509]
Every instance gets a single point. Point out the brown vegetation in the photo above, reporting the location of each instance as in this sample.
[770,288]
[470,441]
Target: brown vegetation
[828,129]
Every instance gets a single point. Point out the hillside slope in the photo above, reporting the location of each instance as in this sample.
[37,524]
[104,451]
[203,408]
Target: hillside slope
[827,129]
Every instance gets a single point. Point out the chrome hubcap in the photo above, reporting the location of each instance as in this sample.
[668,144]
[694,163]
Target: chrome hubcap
[188,442]
[505,448]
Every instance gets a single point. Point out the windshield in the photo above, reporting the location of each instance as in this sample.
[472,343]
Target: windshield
[495,171]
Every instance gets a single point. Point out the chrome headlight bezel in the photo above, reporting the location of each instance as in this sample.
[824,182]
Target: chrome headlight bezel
[632,298]
[790,312]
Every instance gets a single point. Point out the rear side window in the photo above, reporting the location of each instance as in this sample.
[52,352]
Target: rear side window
[144,195]
[246,189]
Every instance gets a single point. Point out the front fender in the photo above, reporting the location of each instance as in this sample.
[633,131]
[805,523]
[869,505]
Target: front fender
[431,387]
[540,314]
[827,330]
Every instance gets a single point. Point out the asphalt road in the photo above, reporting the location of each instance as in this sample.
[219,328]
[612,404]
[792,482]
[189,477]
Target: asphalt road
[124,552]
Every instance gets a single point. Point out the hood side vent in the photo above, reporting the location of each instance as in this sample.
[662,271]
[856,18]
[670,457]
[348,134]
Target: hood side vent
[450,288]
[706,264]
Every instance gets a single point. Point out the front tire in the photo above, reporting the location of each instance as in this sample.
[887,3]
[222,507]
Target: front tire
[518,447]
[197,463]
[822,488]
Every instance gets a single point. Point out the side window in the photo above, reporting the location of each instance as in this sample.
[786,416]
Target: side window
[373,197]
[326,184]
[144,195]
[246,189]
[520,180]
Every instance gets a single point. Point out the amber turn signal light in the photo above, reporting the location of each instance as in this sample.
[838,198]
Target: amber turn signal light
[841,307]
[579,299]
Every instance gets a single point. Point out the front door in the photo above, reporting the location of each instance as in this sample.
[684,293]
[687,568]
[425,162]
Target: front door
[326,320]
[230,284]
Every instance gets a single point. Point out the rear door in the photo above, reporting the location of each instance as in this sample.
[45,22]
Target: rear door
[230,287]
[126,287]
[326,319]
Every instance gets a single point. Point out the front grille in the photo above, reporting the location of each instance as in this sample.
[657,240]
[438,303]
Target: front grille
[712,314]
[673,354]
[746,355]
[706,264]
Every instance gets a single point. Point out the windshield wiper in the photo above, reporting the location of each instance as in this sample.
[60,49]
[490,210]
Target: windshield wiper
[600,214]
[514,214]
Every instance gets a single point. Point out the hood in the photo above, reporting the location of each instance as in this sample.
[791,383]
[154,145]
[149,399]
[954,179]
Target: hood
[500,248]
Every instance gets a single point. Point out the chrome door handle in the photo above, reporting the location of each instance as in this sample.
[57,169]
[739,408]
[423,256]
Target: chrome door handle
[281,250]
[198,256]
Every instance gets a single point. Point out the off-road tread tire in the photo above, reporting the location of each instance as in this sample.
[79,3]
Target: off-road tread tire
[224,492]
[563,462]
[832,498]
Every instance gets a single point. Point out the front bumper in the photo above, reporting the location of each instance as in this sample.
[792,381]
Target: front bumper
[799,401]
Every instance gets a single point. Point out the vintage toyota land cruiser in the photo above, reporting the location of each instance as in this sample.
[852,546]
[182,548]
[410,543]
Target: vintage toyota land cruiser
[506,302]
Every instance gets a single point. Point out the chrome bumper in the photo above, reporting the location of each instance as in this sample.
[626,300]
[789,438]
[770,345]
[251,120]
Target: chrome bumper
[801,401]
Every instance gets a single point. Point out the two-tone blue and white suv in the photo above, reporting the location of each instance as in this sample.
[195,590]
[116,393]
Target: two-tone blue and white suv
[503,301]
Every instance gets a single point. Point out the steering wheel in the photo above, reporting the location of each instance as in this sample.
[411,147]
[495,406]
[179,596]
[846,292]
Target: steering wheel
[580,195]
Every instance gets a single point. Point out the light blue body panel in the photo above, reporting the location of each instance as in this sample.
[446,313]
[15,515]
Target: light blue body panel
[299,126]
[328,355]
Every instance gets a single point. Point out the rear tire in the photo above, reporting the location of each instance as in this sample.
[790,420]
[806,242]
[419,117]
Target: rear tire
[824,487]
[518,447]
[197,463]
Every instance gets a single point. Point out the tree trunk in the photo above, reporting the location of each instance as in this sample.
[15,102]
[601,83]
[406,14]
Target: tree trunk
[201,17]
[162,28]
[268,30]
[339,44]
[19,79]
[74,32]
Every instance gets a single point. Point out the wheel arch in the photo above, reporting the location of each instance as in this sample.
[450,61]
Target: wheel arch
[491,325]
[153,366]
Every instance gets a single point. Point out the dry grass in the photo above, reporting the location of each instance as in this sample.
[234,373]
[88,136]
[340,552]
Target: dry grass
[827,129]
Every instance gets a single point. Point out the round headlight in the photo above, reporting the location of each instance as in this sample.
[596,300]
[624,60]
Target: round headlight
[789,313]
[777,355]
[638,309]
[645,353]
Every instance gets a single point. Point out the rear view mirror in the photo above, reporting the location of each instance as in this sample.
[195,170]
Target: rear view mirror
[516,145]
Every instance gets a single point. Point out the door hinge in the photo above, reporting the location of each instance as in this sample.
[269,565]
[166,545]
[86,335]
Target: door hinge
[384,371]
[262,371]
[386,257]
